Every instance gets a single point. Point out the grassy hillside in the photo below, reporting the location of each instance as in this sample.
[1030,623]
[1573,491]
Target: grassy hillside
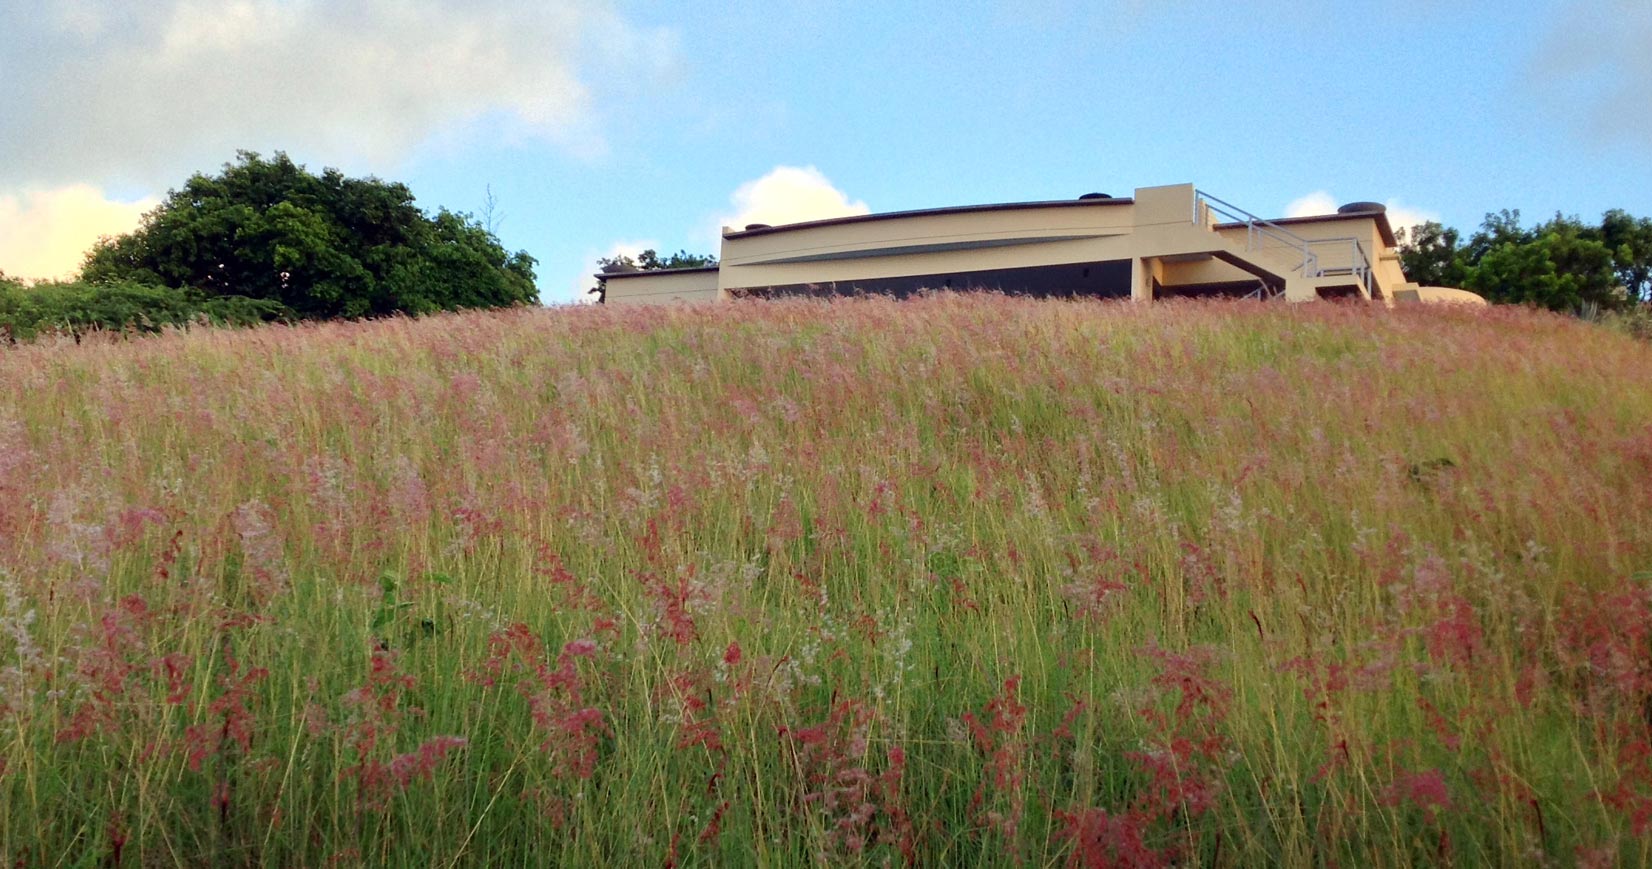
[968,581]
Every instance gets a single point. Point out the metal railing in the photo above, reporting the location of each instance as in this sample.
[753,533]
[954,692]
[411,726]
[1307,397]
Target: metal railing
[1359,264]
[1259,231]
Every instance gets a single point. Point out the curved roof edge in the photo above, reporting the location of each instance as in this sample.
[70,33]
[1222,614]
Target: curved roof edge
[1450,296]
[922,212]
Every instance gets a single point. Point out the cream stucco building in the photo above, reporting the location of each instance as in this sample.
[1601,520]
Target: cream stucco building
[1162,242]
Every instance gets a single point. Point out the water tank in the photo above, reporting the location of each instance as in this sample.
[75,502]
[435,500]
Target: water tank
[1362,208]
[1095,196]
[752,226]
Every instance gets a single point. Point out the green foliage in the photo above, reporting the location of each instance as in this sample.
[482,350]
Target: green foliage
[321,246]
[1630,241]
[1431,255]
[1559,269]
[1563,264]
[78,307]
[648,261]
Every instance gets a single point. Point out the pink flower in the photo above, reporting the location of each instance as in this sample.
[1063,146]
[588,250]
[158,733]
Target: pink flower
[1425,790]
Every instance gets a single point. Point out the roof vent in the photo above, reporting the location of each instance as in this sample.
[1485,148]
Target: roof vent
[1095,196]
[1362,208]
[752,226]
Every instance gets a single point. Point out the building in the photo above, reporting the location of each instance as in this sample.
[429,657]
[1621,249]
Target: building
[1172,241]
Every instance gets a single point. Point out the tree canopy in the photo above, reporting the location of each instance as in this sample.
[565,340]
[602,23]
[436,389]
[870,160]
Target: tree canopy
[1563,264]
[323,246]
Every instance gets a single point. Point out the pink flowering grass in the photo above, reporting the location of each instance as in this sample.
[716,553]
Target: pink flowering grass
[967,580]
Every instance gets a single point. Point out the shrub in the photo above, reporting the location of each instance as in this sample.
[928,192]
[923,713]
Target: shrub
[1636,321]
[77,307]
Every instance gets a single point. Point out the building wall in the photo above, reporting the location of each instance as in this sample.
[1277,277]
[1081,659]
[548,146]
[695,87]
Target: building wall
[927,244]
[1157,233]
[662,288]
[1157,221]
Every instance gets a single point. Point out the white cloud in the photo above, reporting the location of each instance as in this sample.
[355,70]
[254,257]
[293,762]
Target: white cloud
[577,285]
[1400,215]
[145,92]
[1317,202]
[790,194]
[46,233]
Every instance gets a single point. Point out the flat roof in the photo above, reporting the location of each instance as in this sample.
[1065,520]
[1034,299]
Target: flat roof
[639,273]
[919,212]
[1381,217]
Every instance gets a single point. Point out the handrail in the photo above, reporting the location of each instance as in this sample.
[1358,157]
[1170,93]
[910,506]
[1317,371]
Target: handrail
[1359,263]
[1258,230]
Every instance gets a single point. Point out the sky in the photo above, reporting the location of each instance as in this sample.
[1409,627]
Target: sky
[607,127]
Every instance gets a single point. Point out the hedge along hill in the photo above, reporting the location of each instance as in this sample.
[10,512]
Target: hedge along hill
[962,581]
[76,308]
[323,246]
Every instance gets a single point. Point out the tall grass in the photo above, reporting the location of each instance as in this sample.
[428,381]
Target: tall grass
[963,581]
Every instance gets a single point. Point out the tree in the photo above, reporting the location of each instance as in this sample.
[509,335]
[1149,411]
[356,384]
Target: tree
[322,246]
[1563,264]
[1502,228]
[647,261]
[1560,269]
[1630,241]
[1431,255]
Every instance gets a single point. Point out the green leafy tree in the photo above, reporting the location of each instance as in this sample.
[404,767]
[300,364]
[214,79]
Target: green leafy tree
[1563,264]
[1630,241]
[1432,255]
[1560,269]
[322,246]
[1501,228]
[647,261]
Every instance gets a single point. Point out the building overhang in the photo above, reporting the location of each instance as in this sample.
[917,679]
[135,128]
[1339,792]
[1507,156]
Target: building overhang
[925,212]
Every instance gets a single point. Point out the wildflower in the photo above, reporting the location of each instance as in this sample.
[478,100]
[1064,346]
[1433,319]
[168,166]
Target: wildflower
[1426,790]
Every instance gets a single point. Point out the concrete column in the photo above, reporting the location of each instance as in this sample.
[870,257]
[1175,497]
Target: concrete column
[1300,289]
[1142,272]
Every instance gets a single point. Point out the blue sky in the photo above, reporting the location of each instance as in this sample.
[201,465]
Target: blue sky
[605,127]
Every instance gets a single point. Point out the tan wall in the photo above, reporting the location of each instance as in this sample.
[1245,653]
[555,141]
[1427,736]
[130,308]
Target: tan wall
[949,262]
[927,244]
[1168,204]
[1331,255]
[1390,277]
[1449,296]
[662,288]
[1204,271]
[1059,220]
[1157,222]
